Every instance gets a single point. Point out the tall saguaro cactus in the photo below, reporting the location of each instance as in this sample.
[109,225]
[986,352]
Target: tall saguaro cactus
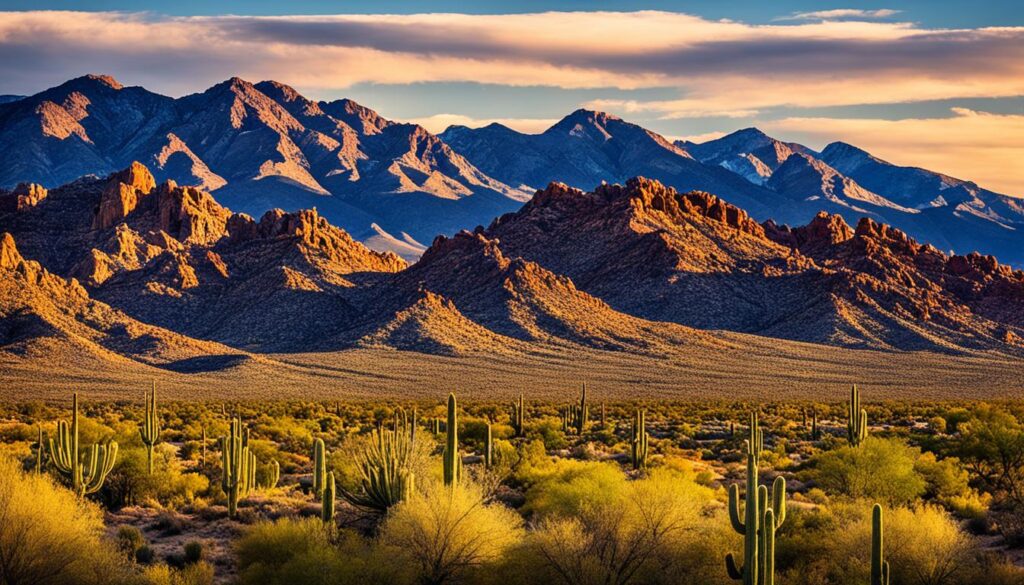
[879,566]
[452,459]
[238,465]
[150,430]
[762,516]
[86,476]
[639,439]
[519,416]
[319,468]
[857,419]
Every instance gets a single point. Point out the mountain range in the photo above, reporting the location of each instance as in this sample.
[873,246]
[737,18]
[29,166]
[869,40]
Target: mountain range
[395,186]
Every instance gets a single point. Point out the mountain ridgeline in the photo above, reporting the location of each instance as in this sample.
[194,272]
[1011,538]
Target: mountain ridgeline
[395,186]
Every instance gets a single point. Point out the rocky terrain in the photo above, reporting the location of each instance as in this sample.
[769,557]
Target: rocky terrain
[691,258]
[638,268]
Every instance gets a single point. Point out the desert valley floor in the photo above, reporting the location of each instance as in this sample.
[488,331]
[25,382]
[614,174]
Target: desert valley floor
[760,369]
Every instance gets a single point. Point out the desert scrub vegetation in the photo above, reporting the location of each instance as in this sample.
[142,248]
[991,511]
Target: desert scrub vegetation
[585,491]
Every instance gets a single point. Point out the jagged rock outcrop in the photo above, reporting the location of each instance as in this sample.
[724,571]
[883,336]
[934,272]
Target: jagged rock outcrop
[121,195]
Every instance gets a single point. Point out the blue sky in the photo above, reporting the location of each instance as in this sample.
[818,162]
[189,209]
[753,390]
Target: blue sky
[936,84]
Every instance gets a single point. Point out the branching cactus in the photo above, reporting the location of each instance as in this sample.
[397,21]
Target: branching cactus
[385,469]
[237,464]
[327,507]
[86,476]
[452,459]
[763,514]
[579,414]
[639,440]
[150,430]
[857,419]
[519,416]
[879,566]
[319,468]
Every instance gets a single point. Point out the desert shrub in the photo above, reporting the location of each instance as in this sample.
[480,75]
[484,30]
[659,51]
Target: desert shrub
[448,534]
[594,526]
[926,547]
[129,540]
[566,486]
[130,481]
[305,552]
[200,573]
[193,552]
[49,536]
[879,469]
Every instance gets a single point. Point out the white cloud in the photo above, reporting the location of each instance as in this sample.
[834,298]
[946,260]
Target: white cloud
[842,13]
[983,147]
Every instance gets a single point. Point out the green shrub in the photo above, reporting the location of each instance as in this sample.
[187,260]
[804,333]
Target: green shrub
[879,469]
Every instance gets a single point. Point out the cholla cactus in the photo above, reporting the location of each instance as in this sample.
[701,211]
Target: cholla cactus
[639,440]
[452,458]
[760,520]
[87,476]
[857,419]
[238,465]
[386,476]
[319,468]
[879,566]
[150,430]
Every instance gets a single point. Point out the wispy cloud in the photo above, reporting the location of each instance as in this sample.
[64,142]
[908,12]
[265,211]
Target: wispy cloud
[717,67]
[979,146]
[842,14]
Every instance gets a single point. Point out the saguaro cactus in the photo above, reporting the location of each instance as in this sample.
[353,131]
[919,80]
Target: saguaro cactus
[327,507]
[273,475]
[879,566]
[577,415]
[238,465]
[87,476]
[452,459]
[857,419]
[488,448]
[815,433]
[759,521]
[319,468]
[202,440]
[39,451]
[150,430]
[639,439]
[519,416]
